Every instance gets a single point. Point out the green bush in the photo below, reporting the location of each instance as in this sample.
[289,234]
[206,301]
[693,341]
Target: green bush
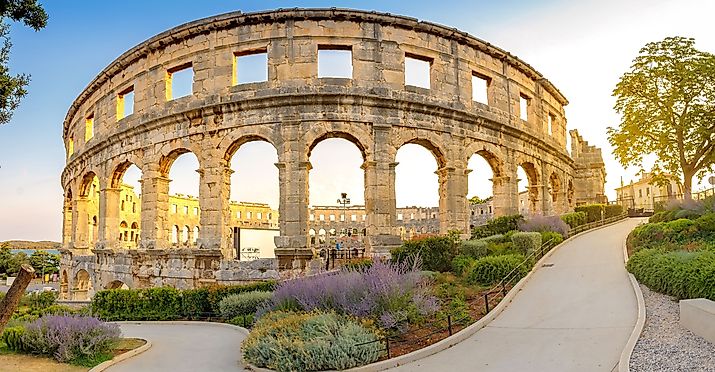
[594,212]
[195,303]
[680,274]
[12,337]
[243,303]
[491,269]
[499,225]
[358,265]
[612,210]
[551,239]
[461,264]
[706,223]
[310,342]
[526,242]
[496,239]
[39,300]
[473,248]
[574,219]
[436,252]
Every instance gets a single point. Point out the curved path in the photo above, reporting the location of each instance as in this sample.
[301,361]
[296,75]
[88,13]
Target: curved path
[184,346]
[576,315]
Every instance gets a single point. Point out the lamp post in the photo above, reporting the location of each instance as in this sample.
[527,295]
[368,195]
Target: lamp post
[344,201]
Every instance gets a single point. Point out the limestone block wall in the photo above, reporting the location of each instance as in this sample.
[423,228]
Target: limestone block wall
[294,109]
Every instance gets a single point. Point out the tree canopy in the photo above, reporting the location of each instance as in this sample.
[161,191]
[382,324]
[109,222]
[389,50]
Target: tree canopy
[12,87]
[667,104]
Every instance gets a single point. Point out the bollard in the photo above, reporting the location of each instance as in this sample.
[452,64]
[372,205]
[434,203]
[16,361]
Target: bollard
[449,324]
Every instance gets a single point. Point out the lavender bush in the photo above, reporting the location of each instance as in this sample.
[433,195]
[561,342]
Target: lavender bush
[70,337]
[539,223]
[393,294]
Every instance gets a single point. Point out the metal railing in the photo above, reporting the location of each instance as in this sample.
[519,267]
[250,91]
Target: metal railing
[599,223]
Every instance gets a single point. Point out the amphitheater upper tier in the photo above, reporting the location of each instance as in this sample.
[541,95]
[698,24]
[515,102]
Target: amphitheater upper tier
[469,98]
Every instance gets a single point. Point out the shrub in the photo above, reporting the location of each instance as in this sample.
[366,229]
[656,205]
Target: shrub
[526,242]
[706,223]
[680,274]
[12,337]
[310,342]
[195,303]
[491,269]
[391,293]
[436,252]
[551,239]
[540,223]
[499,225]
[39,300]
[241,304]
[473,248]
[496,239]
[70,338]
[574,219]
[612,210]
[461,263]
[594,212]
[358,265]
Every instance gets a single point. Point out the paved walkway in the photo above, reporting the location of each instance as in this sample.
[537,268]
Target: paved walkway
[183,347]
[574,316]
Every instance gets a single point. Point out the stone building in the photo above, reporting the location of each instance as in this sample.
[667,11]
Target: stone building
[645,193]
[464,97]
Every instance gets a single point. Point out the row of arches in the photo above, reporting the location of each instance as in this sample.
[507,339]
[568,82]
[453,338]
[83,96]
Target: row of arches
[214,181]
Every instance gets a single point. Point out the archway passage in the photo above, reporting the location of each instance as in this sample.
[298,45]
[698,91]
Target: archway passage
[337,190]
[64,286]
[254,198]
[82,286]
[528,189]
[554,192]
[417,189]
[184,195]
[87,212]
[126,187]
[116,284]
[483,168]
[67,211]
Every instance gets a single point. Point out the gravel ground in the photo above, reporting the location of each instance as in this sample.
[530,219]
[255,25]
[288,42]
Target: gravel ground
[666,346]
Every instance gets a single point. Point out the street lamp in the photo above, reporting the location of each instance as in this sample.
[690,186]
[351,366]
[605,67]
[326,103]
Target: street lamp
[344,201]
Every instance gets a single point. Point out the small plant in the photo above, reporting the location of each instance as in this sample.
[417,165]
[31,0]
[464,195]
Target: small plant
[473,248]
[491,269]
[540,223]
[574,219]
[461,264]
[551,239]
[243,303]
[594,212]
[12,337]
[526,242]
[435,252]
[499,225]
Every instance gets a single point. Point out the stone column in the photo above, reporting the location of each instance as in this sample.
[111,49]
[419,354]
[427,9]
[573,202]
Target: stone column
[214,194]
[67,228]
[292,248]
[453,207]
[505,191]
[80,223]
[536,202]
[109,218]
[155,229]
[380,207]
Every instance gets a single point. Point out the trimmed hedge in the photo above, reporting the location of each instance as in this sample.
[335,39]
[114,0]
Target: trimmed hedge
[166,303]
[612,210]
[574,219]
[552,238]
[436,252]
[246,303]
[526,242]
[593,211]
[499,225]
[672,235]
[491,269]
[473,248]
[679,274]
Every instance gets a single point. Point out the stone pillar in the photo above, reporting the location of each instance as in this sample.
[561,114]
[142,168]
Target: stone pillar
[453,207]
[214,194]
[109,218]
[155,229]
[292,248]
[67,227]
[380,207]
[506,196]
[80,223]
[536,202]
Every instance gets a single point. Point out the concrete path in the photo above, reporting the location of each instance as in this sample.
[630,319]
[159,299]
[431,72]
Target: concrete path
[574,316]
[178,347]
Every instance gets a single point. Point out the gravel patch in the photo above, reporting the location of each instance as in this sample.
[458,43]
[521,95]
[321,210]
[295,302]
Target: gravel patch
[666,346]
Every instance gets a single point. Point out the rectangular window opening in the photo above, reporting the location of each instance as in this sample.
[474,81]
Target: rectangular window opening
[250,67]
[125,103]
[480,87]
[524,102]
[335,61]
[70,147]
[417,71]
[552,121]
[179,81]
[89,128]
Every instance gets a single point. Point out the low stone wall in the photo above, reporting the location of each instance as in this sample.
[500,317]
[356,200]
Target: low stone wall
[698,316]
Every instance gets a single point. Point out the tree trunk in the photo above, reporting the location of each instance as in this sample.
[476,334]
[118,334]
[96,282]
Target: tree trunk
[687,186]
[13,296]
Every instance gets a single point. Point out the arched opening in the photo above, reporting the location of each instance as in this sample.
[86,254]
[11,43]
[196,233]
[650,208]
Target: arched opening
[570,195]
[254,185]
[184,196]
[527,188]
[554,190]
[89,191]
[311,233]
[82,285]
[196,235]
[123,232]
[483,168]
[116,284]
[67,218]
[127,179]
[417,185]
[64,285]
[337,188]
[321,236]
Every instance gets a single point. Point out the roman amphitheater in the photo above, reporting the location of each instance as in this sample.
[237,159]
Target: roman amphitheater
[469,98]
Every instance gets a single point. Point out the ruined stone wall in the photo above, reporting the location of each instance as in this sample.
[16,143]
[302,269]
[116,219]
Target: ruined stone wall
[589,183]
[294,110]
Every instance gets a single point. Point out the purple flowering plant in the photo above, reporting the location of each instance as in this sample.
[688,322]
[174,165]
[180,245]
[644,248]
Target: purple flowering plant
[70,337]
[393,294]
[539,223]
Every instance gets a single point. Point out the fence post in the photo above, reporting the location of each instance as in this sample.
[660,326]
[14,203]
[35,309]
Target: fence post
[387,343]
[244,320]
[503,289]
[449,324]
[486,302]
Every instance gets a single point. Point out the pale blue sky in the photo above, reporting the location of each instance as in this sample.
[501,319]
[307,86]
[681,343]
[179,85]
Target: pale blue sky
[581,46]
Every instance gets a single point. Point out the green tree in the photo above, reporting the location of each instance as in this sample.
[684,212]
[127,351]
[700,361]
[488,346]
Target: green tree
[12,87]
[44,262]
[5,257]
[667,104]
[476,200]
[15,262]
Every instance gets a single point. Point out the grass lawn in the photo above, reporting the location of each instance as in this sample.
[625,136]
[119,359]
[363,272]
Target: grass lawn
[12,362]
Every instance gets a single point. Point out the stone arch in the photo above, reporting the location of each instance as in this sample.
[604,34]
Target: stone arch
[64,285]
[570,194]
[116,284]
[118,170]
[86,183]
[167,160]
[235,139]
[433,147]
[82,285]
[554,187]
[67,218]
[314,137]
[490,153]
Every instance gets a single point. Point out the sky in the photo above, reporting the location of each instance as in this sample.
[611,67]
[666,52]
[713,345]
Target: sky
[583,47]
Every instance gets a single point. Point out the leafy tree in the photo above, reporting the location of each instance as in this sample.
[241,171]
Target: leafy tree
[15,262]
[476,200]
[12,88]
[44,262]
[667,103]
